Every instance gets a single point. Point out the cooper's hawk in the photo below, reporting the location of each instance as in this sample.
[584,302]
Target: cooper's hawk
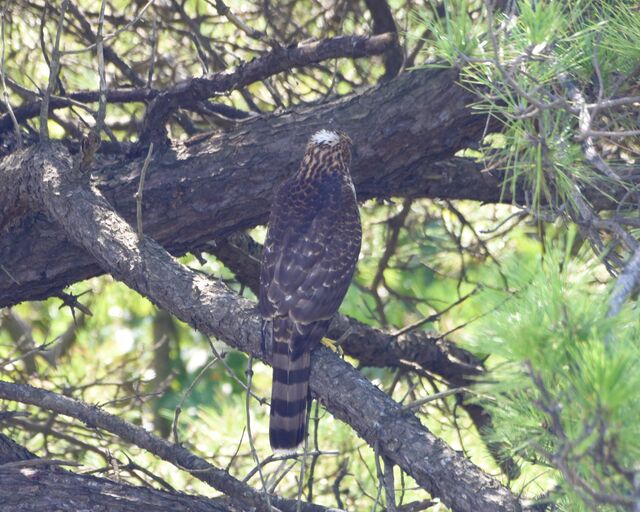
[312,246]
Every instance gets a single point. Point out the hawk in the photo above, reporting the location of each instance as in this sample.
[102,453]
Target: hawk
[313,243]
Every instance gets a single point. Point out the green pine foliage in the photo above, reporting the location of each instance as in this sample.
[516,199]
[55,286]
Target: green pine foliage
[563,386]
[563,383]
[525,66]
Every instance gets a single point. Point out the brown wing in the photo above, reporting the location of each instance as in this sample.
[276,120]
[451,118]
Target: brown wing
[310,252]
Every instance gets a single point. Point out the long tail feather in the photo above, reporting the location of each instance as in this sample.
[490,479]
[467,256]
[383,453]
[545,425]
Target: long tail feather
[289,393]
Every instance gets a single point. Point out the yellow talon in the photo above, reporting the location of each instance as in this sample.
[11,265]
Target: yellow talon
[334,347]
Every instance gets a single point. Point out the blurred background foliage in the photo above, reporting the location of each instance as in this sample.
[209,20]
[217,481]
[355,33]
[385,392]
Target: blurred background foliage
[516,285]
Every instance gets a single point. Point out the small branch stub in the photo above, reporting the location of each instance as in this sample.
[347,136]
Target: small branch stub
[138,194]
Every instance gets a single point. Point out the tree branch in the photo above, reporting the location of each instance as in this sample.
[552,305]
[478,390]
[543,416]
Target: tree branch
[208,189]
[383,22]
[36,489]
[209,306]
[278,60]
[201,191]
[175,454]
[55,489]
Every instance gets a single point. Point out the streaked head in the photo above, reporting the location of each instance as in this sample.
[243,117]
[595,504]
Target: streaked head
[330,138]
[335,142]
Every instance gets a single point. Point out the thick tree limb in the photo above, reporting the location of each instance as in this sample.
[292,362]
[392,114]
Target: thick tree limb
[406,132]
[199,192]
[210,307]
[33,488]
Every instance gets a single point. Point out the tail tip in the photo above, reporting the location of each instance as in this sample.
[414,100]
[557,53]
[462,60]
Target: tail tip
[285,442]
[283,452]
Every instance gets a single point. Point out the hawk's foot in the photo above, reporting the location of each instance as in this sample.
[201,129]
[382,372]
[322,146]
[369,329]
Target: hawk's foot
[331,345]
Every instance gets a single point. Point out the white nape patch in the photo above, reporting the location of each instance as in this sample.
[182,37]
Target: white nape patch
[325,137]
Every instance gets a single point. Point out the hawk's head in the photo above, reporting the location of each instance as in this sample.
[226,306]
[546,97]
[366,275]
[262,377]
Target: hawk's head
[330,138]
[333,142]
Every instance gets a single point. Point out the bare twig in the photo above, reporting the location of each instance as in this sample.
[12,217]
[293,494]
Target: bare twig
[10,415]
[389,485]
[185,395]
[154,50]
[342,473]
[221,357]
[612,134]
[223,10]
[38,462]
[626,283]
[5,92]
[252,447]
[435,396]
[283,457]
[116,33]
[435,316]
[9,274]
[92,142]
[303,461]
[53,76]
[36,350]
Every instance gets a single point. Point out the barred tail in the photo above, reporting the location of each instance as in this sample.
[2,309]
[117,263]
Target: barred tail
[289,396]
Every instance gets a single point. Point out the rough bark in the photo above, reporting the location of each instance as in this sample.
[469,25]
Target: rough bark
[197,192]
[209,306]
[28,487]
[405,131]
[35,489]
[242,495]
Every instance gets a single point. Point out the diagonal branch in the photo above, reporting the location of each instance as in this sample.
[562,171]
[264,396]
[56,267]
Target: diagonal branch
[200,191]
[173,453]
[191,91]
[278,60]
[53,489]
[209,306]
